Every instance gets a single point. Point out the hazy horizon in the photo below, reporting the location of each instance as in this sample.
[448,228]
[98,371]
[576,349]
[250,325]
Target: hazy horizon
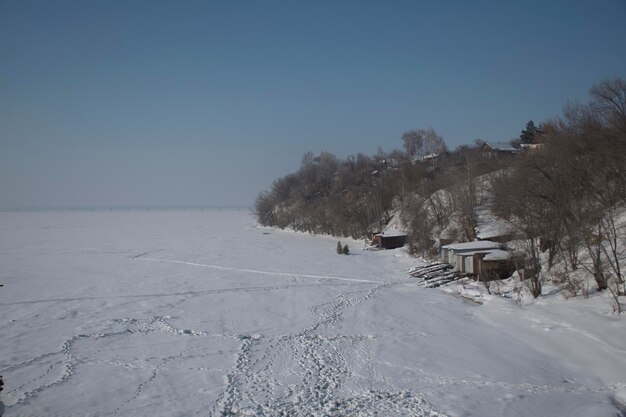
[62,209]
[204,104]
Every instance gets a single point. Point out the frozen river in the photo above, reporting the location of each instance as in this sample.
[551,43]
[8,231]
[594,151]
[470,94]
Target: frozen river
[203,313]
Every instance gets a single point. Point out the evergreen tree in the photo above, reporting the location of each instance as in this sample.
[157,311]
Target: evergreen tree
[339,248]
[528,135]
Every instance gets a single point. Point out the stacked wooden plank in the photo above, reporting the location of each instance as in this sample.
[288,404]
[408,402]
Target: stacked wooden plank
[435,274]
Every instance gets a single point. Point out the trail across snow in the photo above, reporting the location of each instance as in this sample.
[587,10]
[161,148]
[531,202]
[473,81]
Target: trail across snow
[231,321]
[256,271]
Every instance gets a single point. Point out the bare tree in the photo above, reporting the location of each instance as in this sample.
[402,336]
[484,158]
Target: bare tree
[412,141]
[609,100]
[421,142]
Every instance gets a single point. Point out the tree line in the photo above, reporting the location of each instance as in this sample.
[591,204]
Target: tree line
[565,198]
[561,192]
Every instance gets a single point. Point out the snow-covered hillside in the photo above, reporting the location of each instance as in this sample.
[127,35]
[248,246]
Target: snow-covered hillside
[203,313]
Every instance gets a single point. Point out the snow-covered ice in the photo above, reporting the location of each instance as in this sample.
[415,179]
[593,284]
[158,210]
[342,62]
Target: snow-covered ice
[203,313]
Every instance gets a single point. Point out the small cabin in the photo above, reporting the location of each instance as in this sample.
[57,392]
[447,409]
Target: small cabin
[493,265]
[451,253]
[485,259]
[387,240]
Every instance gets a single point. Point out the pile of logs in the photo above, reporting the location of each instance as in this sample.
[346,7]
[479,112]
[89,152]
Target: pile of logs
[435,274]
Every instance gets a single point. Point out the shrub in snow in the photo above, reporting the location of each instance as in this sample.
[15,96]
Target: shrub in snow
[342,250]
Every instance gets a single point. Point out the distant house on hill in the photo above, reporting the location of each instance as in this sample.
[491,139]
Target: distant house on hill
[497,149]
[429,159]
[390,163]
[529,147]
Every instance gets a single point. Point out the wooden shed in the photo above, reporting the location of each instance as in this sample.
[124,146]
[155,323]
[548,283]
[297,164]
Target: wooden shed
[451,253]
[389,240]
[493,265]
[465,262]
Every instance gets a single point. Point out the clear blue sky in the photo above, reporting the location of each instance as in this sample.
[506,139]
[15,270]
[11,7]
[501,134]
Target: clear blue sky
[179,103]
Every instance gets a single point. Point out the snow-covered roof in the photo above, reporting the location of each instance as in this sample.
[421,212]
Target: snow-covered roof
[392,232]
[472,252]
[497,255]
[501,146]
[477,245]
[429,156]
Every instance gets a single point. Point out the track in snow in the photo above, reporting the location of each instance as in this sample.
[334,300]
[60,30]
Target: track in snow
[312,374]
[309,373]
[167,294]
[257,271]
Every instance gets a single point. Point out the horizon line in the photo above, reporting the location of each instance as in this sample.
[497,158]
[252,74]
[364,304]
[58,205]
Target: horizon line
[121,208]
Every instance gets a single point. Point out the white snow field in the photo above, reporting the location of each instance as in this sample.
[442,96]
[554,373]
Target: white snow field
[205,314]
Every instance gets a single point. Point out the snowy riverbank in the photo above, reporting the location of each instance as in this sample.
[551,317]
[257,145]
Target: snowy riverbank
[203,313]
